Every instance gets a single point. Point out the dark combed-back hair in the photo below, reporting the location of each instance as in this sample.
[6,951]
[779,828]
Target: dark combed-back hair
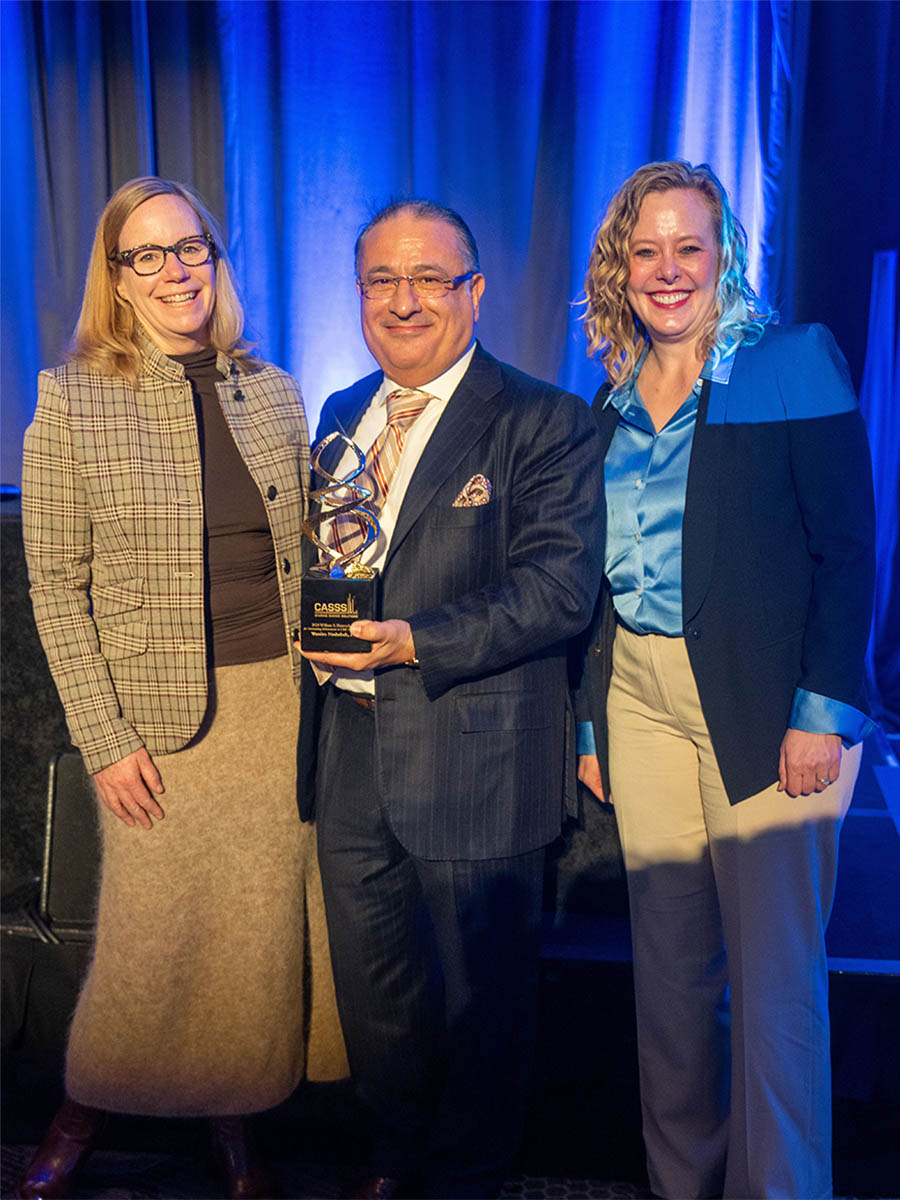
[426,210]
[612,329]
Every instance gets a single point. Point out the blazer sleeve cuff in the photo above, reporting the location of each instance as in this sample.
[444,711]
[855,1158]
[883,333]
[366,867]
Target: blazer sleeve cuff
[820,714]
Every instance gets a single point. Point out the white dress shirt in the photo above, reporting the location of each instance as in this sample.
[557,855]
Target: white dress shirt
[372,422]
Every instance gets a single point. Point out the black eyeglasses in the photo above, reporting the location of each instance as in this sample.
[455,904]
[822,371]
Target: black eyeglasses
[191,251]
[379,287]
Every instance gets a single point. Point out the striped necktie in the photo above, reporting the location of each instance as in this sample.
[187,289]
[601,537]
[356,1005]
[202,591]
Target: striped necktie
[404,406]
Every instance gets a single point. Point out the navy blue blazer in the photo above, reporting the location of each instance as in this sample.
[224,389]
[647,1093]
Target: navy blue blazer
[777,543]
[475,749]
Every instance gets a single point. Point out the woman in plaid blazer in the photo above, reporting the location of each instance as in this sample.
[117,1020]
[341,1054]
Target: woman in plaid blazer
[163,490]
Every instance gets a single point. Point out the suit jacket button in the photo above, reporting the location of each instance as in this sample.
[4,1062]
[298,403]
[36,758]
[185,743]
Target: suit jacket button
[694,632]
[239,395]
[272,492]
[286,566]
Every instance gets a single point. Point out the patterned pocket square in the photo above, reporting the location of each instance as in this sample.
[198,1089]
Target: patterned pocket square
[476,492]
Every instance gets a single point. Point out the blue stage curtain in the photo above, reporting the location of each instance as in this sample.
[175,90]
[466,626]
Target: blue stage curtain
[879,400]
[295,119]
[91,94]
[517,115]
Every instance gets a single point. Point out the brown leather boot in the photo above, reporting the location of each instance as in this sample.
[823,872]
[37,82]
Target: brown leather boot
[63,1152]
[242,1173]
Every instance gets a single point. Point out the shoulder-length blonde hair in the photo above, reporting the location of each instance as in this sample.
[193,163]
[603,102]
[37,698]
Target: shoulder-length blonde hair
[612,329]
[106,334]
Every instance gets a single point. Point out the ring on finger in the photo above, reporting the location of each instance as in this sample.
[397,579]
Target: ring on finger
[826,782]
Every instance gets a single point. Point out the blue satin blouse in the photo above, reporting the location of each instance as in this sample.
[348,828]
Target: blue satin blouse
[646,483]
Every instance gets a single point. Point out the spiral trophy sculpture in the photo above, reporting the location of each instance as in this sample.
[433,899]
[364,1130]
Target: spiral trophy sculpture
[340,589]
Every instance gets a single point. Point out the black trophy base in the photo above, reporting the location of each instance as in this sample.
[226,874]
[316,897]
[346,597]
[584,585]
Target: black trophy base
[330,606]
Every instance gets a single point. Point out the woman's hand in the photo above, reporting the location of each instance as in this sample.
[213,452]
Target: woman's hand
[809,762]
[589,775]
[125,788]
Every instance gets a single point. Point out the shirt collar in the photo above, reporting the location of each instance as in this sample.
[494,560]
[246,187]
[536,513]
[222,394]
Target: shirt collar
[721,372]
[159,363]
[623,397]
[441,388]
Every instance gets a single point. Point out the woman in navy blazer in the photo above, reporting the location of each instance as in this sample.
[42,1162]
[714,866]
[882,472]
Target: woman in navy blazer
[722,702]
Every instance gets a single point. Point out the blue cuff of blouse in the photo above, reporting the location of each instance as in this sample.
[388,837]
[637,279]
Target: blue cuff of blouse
[584,738]
[820,714]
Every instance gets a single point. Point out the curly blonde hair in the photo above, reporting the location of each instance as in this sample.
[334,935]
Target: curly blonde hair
[612,329]
[106,336]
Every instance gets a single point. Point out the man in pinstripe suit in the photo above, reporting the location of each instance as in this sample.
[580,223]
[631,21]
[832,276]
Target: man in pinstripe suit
[444,753]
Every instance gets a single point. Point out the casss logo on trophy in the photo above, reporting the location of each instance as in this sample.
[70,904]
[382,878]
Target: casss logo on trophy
[340,589]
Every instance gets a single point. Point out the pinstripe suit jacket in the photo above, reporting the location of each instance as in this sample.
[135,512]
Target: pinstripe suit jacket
[112,516]
[473,749]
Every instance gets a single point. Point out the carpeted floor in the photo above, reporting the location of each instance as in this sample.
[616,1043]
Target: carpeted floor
[114,1175]
[583,1135]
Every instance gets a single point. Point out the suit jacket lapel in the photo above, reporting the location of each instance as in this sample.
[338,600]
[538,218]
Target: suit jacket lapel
[606,416]
[698,537]
[607,419]
[344,412]
[469,411]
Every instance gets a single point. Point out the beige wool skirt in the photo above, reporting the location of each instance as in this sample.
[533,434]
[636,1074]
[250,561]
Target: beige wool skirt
[210,989]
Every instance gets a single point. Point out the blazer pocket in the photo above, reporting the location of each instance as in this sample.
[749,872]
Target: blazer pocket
[478,514]
[497,711]
[110,599]
[123,641]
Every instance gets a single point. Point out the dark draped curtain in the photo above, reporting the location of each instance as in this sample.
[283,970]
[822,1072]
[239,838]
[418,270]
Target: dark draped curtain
[878,398]
[295,118]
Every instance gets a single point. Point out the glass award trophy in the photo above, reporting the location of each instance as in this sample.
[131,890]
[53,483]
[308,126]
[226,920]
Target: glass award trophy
[339,589]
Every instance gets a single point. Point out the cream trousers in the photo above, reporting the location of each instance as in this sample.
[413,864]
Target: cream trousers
[729,905]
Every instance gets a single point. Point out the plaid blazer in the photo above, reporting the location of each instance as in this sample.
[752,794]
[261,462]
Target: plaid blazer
[112,518]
